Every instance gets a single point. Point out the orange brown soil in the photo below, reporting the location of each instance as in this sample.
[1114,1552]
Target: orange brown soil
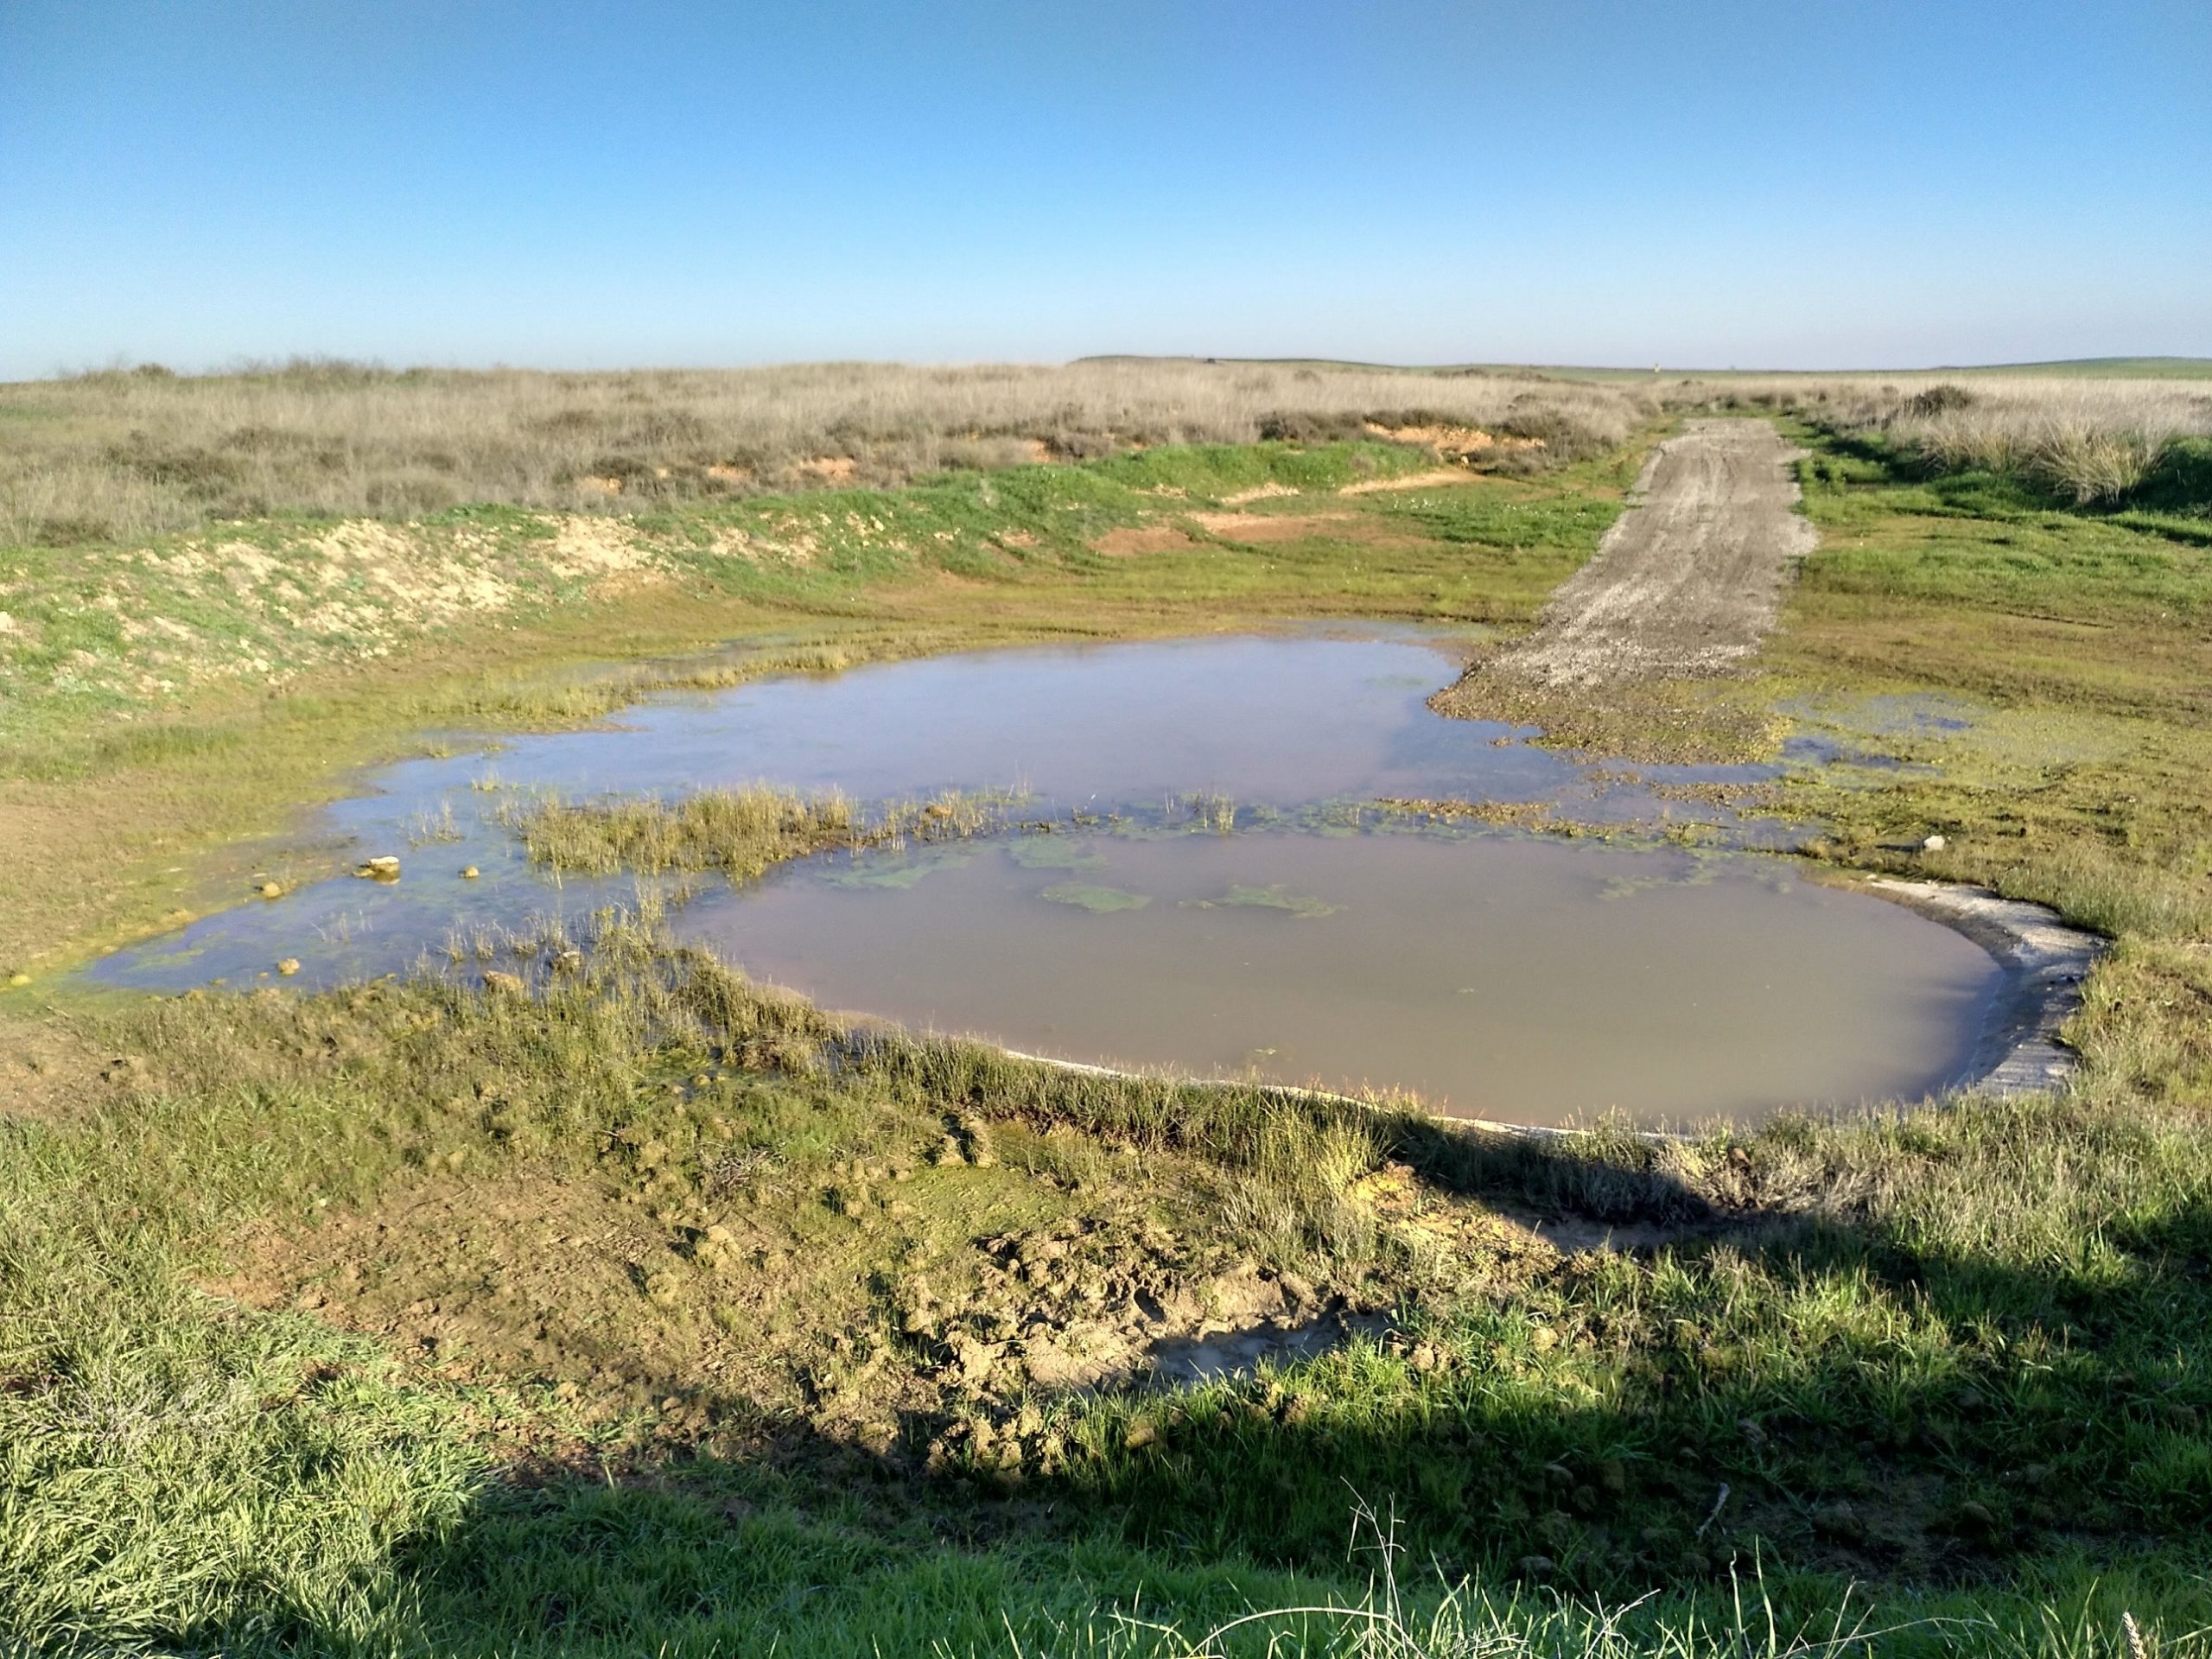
[1262,528]
[1454,443]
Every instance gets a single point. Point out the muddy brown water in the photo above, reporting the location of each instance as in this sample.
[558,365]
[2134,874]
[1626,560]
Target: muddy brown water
[1498,975]
[1488,971]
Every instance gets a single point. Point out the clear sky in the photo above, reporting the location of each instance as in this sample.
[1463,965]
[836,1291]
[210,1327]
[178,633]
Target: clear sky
[1701,183]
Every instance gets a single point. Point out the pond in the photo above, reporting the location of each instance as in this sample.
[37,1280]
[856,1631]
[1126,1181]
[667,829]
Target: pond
[1218,895]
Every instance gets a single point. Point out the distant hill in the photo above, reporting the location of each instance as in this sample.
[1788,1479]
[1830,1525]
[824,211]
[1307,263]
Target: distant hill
[2111,368]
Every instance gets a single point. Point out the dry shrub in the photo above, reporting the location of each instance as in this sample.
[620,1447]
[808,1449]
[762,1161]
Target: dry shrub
[2095,441]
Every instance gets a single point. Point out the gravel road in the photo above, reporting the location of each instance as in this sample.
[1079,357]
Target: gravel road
[1689,580]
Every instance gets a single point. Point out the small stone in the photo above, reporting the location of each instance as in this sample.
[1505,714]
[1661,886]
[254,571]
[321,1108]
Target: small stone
[382,868]
[1543,1336]
[1140,1433]
[1538,1567]
[501,984]
[289,966]
[1934,844]
[470,874]
[1976,1515]
[271,890]
[19,979]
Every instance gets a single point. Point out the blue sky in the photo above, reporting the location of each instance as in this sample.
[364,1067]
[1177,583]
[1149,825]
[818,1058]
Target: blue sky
[1707,182]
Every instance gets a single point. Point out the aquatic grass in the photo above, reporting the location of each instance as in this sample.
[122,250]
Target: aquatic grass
[739,832]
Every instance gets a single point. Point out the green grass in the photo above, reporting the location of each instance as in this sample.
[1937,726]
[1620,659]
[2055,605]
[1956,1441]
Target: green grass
[1948,1363]
[2080,773]
[1965,1367]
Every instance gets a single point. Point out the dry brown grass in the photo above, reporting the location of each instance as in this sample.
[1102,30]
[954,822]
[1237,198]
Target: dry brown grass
[125,454]
[2095,440]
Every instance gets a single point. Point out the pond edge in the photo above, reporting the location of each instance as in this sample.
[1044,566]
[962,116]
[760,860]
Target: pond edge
[2045,960]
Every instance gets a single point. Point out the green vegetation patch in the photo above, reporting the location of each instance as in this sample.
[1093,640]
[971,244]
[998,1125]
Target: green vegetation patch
[1099,900]
[1301,906]
[741,832]
[1054,853]
[2040,677]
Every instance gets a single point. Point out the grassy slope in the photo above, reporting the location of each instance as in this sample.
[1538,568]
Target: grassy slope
[1978,1364]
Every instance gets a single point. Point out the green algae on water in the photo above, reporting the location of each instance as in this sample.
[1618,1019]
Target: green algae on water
[1300,905]
[1091,896]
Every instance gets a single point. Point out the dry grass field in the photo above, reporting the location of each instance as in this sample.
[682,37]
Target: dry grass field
[2095,441]
[125,454]
[135,453]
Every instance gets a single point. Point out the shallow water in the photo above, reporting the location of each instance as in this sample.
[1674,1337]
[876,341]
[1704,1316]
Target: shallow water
[1496,975]
[1488,971]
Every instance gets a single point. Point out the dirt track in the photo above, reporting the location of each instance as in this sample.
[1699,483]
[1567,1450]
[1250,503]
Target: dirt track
[1689,580]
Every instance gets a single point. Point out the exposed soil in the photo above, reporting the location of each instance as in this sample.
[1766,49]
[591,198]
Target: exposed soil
[1690,578]
[769,1302]
[1260,527]
[1133,540]
[1410,481]
[49,1069]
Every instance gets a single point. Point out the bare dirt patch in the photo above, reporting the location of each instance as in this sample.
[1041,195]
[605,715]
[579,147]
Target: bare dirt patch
[1132,540]
[1267,492]
[1265,527]
[49,1071]
[532,1276]
[1454,443]
[1411,481]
